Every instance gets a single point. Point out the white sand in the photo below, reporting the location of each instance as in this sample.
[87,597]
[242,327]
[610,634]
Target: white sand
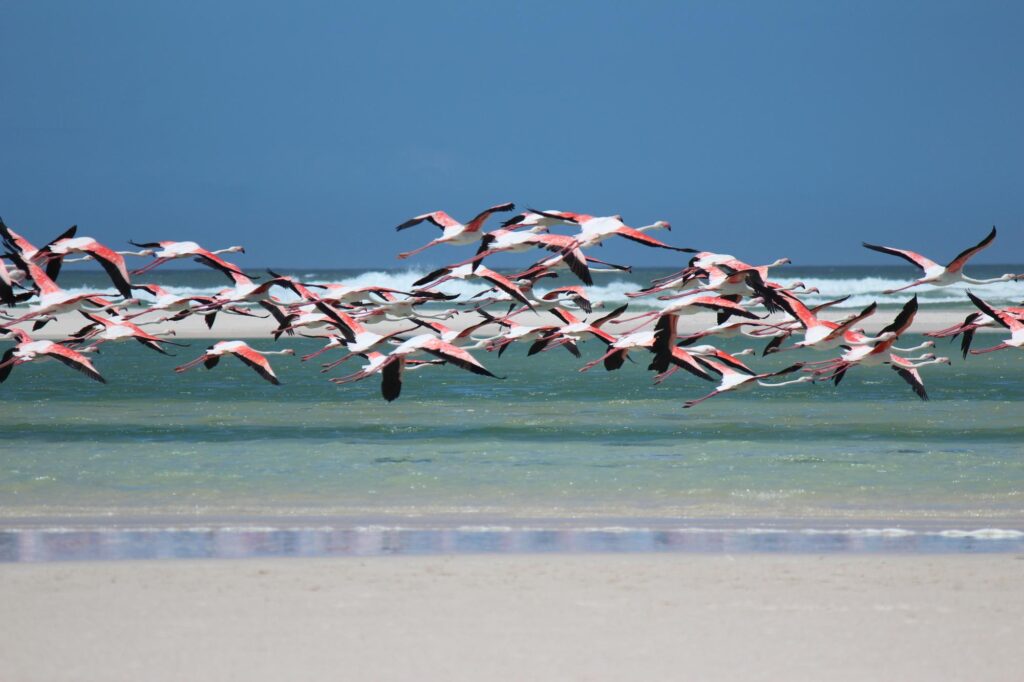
[241,327]
[621,617]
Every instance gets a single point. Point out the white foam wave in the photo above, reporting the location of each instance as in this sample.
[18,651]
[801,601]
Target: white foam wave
[976,534]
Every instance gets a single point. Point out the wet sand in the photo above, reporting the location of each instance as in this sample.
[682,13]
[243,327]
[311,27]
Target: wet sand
[593,617]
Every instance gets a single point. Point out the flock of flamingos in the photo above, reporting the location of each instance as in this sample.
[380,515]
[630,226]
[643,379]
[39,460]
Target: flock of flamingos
[744,297]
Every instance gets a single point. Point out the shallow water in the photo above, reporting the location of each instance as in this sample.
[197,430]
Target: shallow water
[547,442]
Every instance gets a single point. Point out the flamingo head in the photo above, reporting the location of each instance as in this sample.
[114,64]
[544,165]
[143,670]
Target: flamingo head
[663,225]
[236,249]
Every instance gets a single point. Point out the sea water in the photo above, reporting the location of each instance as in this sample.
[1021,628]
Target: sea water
[545,449]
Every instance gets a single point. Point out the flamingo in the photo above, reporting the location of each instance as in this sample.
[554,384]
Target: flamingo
[467,272]
[392,365]
[53,300]
[734,284]
[358,339]
[166,251]
[937,275]
[971,324]
[1004,318]
[28,252]
[241,350]
[508,241]
[28,350]
[820,334]
[7,284]
[166,301]
[520,332]
[406,308]
[692,305]
[112,261]
[575,330]
[596,229]
[452,231]
[734,380]
[659,341]
[104,329]
[341,294]
[872,352]
[906,368]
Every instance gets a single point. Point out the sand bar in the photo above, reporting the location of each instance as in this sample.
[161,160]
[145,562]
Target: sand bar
[590,617]
[237,326]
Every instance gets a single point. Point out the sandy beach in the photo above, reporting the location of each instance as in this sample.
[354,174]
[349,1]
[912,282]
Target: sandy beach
[591,617]
[237,326]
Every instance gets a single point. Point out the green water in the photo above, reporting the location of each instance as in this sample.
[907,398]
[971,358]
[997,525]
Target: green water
[546,442]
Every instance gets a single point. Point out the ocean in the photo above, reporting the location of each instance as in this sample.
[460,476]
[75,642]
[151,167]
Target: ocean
[160,464]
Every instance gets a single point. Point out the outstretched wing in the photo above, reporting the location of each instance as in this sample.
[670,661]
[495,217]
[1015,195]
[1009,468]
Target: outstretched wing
[909,256]
[438,218]
[958,263]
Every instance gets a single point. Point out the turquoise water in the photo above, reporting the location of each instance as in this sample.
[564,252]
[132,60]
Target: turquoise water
[546,443]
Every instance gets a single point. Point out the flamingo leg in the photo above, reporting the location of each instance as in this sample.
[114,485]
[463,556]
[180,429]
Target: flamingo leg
[409,254]
[149,266]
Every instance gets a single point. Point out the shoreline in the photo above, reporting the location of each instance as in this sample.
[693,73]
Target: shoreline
[595,617]
[29,543]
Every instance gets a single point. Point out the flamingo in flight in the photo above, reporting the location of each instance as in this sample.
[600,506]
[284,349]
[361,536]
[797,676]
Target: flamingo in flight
[244,352]
[53,300]
[596,229]
[392,366]
[452,231]
[112,261]
[659,341]
[102,329]
[819,334]
[28,252]
[166,251]
[937,275]
[28,350]
[734,380]
[1004,318]
[973,322]
[879,351]
[466,273]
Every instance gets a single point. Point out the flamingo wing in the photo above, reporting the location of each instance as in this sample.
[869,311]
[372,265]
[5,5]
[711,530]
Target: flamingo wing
[1000,316]
[685,361]
[637,236]
[958,263]
[113,263]
[74,360]
[257,362]
[505,285]
[909,374]
[438,218]
[910,256]
[477,222]
[904,319]
[210,259]
[391,378]
[455,356]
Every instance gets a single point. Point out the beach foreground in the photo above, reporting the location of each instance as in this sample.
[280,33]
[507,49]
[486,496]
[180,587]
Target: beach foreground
[595,617]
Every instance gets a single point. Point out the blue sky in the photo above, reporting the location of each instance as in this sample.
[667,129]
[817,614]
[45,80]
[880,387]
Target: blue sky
[306,131]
